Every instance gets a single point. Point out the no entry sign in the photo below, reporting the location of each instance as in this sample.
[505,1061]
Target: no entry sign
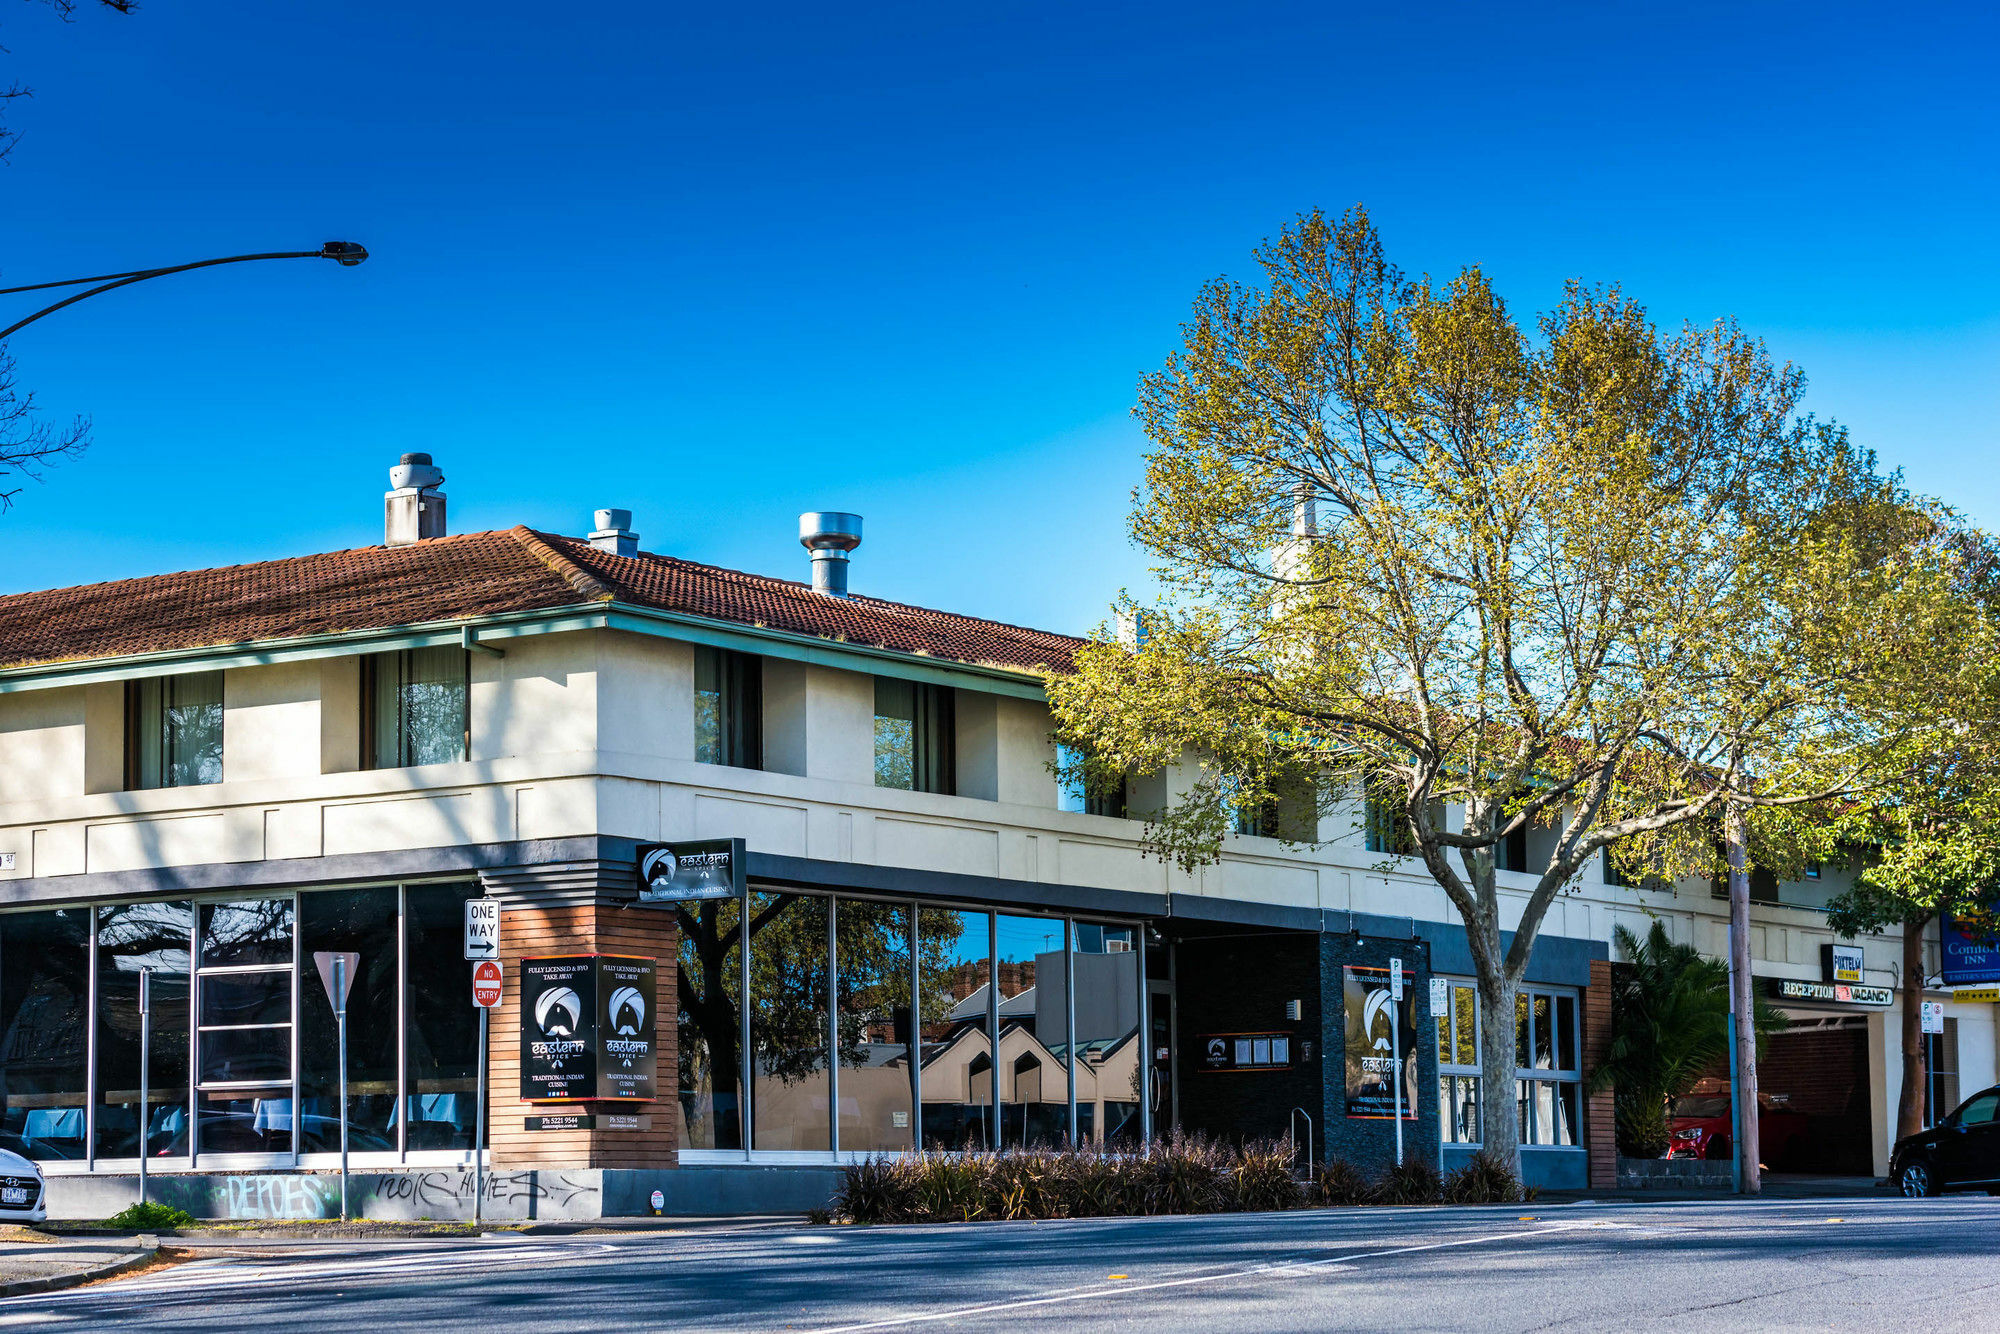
[486,983]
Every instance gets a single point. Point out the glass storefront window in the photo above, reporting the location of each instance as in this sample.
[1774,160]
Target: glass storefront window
[244,980]
[363,922]
[159,937]
[1546,1037]
[1034,1081]
[441,1040]
[956,972]
[791,1098]
[875,1025]
[710,1034]
[1107,1033]
[44,1019]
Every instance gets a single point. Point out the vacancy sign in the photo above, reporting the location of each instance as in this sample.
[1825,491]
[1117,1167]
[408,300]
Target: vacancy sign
[486,979]
[482,928]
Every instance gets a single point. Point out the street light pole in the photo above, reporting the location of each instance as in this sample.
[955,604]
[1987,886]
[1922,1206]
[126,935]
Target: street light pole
[347,254]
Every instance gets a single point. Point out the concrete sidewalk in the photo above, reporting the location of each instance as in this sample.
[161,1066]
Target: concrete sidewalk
[32,1261]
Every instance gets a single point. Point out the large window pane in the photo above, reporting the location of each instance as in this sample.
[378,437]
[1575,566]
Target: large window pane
[132,936]
[416,707]
[915,736]
[246,1121]
[1465,1012]
[363,922]
[1565,1033]
[728,708]
[956,976]
[710,1038]
[1107,1033]
[174,730]
[442,1040]
[876,1025]
[247,933]
[1545,1056]
[247,1055]
[789,1026]
[44,1016]
[1034,1082]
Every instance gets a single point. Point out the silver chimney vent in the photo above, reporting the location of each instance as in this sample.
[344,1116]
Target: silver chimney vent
[413,507]
[614,533]
[829,537]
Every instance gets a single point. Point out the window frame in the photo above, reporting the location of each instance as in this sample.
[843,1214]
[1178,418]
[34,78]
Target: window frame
[1529,1077]
[135,728]
[371,666]
[739,693]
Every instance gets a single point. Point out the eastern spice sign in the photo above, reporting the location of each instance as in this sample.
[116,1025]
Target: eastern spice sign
[587,1028]
[684,872]
[1371,1066]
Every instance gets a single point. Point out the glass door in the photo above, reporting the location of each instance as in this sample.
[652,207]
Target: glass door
[244,1011]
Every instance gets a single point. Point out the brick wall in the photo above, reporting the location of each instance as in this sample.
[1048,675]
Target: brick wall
[1600,1128]
[527,931]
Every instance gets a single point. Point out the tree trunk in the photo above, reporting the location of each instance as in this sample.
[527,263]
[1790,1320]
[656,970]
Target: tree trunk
[1499,1113]
[1748,1145]
[1916,1081]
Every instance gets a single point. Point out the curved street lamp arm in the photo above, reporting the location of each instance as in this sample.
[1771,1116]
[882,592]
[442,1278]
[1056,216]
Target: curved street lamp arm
[342,252]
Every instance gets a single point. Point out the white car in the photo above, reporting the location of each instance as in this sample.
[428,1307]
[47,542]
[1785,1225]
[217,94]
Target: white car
[24,1197]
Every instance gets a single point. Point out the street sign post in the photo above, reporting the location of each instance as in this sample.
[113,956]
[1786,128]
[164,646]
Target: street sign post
[1933,1016]
[336,973]
[487,983]
[482,929]
[145,1054]
[1396,1047]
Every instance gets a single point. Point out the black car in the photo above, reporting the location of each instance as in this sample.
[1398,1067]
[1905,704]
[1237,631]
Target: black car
[1961,1152]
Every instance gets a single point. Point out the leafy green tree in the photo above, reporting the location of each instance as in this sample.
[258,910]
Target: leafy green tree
[1582,575]
[1669,1027]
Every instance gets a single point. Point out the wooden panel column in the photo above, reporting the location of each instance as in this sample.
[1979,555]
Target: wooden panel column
[1600,1118]
[531,929]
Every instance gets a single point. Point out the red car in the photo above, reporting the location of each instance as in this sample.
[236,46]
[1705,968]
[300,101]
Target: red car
[1700,1127]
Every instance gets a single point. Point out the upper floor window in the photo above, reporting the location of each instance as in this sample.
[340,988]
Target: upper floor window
[173,731]
[1387,827]
[728,708]
[1082,789]
[914,736]
[1511,852]
[413,707]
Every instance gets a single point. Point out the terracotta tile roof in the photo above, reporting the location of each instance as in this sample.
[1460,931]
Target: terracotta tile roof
[475,574]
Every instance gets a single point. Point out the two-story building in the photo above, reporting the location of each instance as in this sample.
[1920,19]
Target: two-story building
[210,778]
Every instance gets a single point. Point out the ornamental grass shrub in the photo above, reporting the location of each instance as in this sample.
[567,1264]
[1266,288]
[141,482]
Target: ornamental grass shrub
[1184,1174]
[1484,1179]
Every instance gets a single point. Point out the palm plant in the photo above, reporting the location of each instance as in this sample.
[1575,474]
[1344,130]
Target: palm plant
[1669,1027]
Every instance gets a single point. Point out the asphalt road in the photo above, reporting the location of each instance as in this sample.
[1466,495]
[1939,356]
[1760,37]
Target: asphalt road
[1872,1265]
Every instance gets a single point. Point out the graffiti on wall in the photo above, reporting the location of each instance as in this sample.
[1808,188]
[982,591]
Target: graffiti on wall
[446,1193]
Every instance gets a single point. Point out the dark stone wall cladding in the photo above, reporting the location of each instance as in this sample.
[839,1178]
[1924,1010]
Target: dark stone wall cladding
[1371,1144]
[1230,985]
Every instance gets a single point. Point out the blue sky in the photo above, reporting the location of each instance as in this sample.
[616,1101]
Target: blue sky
[720,264]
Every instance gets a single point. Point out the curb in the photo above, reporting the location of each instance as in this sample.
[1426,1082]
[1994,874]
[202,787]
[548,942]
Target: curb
[76,1278]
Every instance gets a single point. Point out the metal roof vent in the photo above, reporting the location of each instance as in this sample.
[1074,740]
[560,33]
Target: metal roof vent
[413,507]
[829,536]
[614,533]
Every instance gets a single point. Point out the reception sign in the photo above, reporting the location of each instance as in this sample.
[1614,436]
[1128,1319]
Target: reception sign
[1371,1055]
[587,1028]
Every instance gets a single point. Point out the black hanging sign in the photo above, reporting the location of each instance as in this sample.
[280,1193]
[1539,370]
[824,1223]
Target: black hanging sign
[710,868]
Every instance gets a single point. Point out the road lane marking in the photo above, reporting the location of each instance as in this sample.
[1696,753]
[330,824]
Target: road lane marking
[1125,1290]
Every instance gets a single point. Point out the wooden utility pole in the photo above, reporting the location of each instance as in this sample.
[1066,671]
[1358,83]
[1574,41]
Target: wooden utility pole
[1742,1009]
